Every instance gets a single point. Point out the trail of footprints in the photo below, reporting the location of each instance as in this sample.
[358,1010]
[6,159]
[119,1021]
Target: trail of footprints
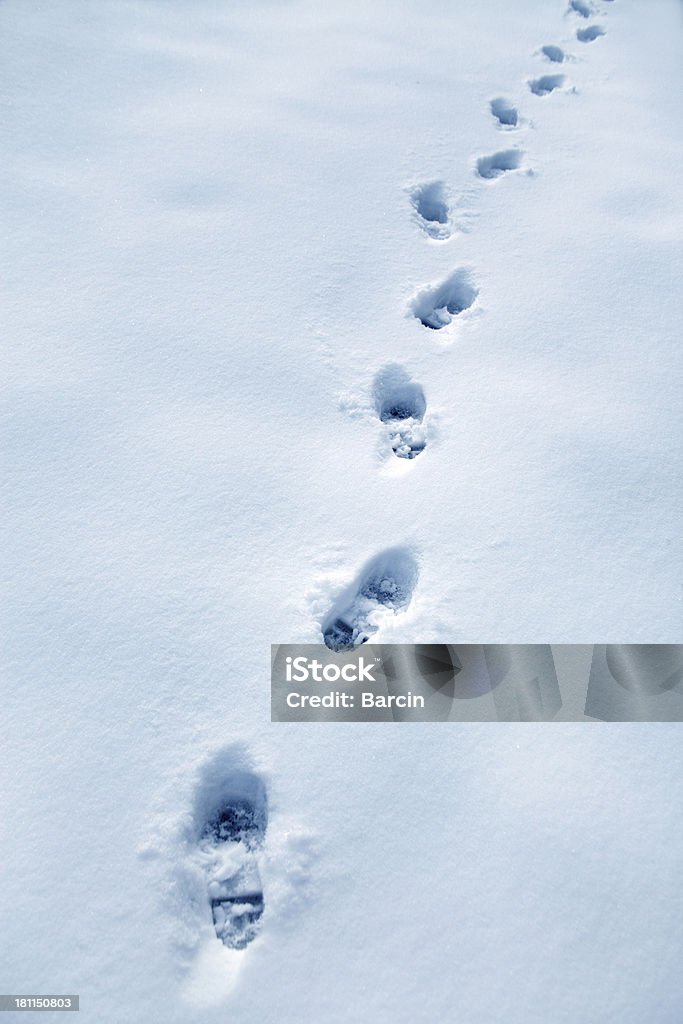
[233,833]
[386,585]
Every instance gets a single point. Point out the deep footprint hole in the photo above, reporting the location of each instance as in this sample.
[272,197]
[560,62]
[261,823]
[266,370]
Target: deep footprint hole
[338,636]
[430,201]
[590,34]
[236,822]
[389,581]
[400,403]
[494,166]
[240,820]
[555,54]
[397,397]
[504,112]
[437,306]
[546,84]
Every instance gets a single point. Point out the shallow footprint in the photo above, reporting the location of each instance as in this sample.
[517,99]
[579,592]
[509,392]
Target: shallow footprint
[386,582]
[400,403]
[437,305]
[494,166]
[555,54]
[580,7]
[430,202]
[590,34]
[229,845]
[504,112]
[546,84]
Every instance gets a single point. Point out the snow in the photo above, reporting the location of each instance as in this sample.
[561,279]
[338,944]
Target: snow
[217,221]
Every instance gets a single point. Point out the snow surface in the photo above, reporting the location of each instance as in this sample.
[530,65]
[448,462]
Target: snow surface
[217,230]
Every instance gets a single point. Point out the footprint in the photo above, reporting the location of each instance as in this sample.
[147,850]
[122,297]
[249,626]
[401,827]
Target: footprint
[580,7]
[229,846]
[494,166]
[436,305]
[546,84]
[553,53]
[401,404]
[504,112]
[384,586]
[590,34]
[430,202]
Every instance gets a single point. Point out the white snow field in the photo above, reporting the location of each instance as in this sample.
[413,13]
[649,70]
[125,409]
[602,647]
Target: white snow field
[255,255]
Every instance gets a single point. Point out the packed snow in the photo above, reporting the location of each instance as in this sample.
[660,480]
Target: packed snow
[300,298]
